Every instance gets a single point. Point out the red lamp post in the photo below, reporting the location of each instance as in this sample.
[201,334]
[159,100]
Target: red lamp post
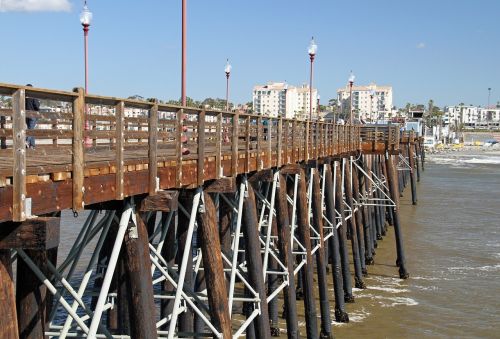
[227,70]
[85,19]
[312,49]
[351,82]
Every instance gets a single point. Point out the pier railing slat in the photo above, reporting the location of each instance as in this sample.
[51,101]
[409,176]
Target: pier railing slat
[78,156]
[120,131]
[19,154]
[153,144]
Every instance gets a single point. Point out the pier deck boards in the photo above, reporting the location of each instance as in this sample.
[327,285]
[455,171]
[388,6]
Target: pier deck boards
[115,154]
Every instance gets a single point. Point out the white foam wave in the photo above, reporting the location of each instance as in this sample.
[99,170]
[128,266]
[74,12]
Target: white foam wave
[387,289]
[430,278]
[486,268]
[464,160]
[397,301]
[354,317]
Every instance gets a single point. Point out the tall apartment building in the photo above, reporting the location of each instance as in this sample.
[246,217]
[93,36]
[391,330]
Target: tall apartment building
[380,107]
[279,99]
[471,116]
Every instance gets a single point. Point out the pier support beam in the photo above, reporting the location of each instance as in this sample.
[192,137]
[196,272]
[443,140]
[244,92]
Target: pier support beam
[8,318]
[359,221]
[333,249]
[353,227]
[254,262]
[213,269]
[140,285]
[317,218]
[393,186]
[412,174]
[342,236]
[307,270]
[285,250]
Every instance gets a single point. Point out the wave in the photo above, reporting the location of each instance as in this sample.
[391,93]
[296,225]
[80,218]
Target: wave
[387,289]
[486,268]
[397,301]
[465,160]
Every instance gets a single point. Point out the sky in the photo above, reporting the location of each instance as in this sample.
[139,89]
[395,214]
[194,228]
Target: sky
[445,50]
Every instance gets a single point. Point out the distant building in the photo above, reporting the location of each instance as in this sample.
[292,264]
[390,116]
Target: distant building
[377,108]
[279,99]
[469,116]
[465,115]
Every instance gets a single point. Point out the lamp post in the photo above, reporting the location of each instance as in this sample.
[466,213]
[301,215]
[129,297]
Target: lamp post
[351,82]
[489,94]
[184,55]
[313,48]
[317,107]
[227,70]
[85,20]
[372,94]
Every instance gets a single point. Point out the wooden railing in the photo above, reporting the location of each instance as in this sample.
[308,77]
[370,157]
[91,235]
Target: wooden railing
[129,135]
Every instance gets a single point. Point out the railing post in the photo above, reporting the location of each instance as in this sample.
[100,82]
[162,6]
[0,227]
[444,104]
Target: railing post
[234,151]
[120,134]
[259,149]
[201,148]
[279,142]
[218,146]
[179,126]
[270,124]
[247,148]
[153,141]
[19,150]
[78,159]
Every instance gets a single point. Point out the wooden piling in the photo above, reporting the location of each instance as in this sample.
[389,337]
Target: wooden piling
[333,248]
[141,302]
[393,185]
[213,269]
[285,251]
[317,219]
[412,174]
[342,236]
[359,221]
[8,318]
[353,226]
[369,250]
[254,262]
[31,296]
[307,270]
[185,322]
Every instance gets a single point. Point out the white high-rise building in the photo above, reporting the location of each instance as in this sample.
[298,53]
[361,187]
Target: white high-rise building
[279,99]
[364,105]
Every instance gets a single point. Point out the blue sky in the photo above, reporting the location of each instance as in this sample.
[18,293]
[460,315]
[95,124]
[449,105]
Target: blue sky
[446,50]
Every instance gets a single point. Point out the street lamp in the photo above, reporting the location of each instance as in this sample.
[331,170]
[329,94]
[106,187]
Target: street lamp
[313,48]
[489,94]
[227,70]
[351,82]
[372,94]
[85,20]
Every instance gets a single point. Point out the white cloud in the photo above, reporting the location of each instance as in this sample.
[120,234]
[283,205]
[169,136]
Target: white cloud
[34,5]
[421,45]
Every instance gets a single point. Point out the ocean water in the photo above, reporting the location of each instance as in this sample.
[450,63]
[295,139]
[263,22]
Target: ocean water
[452,240]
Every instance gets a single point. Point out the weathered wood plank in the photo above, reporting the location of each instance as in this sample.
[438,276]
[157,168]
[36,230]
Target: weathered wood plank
[78,156]
[201,148]
[8,320]
[120,127]
[19,156]
[153,144]
[165,201]
[36,234]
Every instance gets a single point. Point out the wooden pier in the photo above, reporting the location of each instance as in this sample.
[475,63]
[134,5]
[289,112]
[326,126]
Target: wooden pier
[205,244]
